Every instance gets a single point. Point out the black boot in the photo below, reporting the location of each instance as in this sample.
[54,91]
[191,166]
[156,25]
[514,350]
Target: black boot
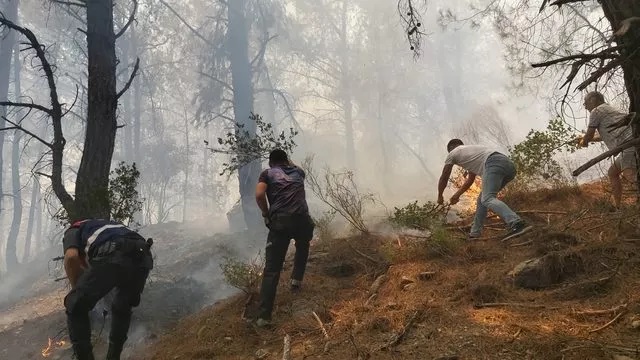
[114,351]
[83,351]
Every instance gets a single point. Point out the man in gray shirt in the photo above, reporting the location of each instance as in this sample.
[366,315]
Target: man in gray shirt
[602,116]
[496,170]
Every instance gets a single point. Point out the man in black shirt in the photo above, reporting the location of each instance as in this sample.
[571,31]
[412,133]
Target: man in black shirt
[281,197]
[100,255]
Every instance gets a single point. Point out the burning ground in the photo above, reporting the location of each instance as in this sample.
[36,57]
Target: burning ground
[390,297]
[186,277]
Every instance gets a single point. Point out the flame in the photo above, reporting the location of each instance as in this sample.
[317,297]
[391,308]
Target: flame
[51,346]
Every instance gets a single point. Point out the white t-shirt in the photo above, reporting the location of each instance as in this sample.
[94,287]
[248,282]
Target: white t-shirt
[470,157]
[603,116]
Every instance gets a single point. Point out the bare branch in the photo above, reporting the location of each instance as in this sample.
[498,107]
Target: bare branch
[26,105]
[612,152]
[43,174]
[263,48]
[185,22]
[70,3]
[599,72]
[133,75]
[19,127]
[606,54]
[130,21]
[562,2]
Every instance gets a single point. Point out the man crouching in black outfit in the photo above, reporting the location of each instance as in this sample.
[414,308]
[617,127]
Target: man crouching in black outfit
[100,255]
[286,215]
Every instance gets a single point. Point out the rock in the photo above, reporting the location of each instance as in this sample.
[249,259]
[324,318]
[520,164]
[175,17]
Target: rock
[406,280]
[426,275]
[635,324]
[228,338]
[261,354]
[547,270]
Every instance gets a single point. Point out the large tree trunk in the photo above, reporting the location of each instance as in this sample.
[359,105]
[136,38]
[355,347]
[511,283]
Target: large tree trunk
[238,40]
[12,240]
[7,41]
[127,147]
[347,97]
[93,174]
[616,12]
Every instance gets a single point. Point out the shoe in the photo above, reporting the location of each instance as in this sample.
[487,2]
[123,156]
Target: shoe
[295,285]
[263,324]
[517,229]
[473,236]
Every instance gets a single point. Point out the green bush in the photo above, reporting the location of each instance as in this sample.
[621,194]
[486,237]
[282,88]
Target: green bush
[421,217]
[242,275]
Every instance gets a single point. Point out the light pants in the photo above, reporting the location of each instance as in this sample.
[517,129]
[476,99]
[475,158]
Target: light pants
[498,172]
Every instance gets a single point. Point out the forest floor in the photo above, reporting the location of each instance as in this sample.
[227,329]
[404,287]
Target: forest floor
[448,299]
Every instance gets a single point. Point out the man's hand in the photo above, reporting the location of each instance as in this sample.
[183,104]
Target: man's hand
[440,199]
[582,143]
[454,199]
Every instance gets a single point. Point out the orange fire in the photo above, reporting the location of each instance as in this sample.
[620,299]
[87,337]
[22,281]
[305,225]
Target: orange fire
[51,346]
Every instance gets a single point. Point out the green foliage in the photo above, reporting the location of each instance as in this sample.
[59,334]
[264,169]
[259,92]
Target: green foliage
[416,216]
[534,157]
[245,148]
[242,275]
[124,200]
[122,195]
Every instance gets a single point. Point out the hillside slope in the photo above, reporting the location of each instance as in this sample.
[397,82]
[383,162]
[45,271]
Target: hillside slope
[449,299]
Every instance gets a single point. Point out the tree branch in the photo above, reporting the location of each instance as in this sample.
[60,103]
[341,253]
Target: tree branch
[130,21]
[19,127]
[599,72]
[263,49]
[26,105]
[562,2]
[185,22]
[605,54]
[70,3]
[133,75]
[627,144]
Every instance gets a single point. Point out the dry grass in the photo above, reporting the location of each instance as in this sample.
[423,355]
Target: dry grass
[448,323]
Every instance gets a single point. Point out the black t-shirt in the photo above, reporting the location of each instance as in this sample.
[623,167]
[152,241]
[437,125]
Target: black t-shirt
[285,190]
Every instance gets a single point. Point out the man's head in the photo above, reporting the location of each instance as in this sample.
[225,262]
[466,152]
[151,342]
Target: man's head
[592,100]
[278,157]
[454,143]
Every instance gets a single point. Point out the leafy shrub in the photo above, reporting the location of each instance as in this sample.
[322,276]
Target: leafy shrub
[242,275]
[422,217]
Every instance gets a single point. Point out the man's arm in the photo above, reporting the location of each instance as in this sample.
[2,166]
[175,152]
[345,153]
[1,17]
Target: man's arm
[74,265]
[261,198]
[471,178]
[444,179]
[591,131]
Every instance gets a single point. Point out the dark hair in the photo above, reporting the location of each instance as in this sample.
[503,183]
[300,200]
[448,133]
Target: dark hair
[453,143]
[278,156]
[596,95]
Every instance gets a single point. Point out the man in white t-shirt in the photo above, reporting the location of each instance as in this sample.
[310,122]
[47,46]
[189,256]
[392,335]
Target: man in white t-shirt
[496,170]
[602,116]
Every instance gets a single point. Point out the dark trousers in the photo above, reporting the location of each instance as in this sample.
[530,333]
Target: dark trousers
[124,266]
[283,228]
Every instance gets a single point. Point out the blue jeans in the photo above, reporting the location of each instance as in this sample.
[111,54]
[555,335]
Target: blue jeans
[498,172]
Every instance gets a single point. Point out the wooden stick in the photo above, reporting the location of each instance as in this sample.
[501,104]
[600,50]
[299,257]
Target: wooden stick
[398,337]
[609,323]
[286,354]
[522,243]
[364,255]
[602,312]
[531,306]
[324,331]
[612,152]
[542,212]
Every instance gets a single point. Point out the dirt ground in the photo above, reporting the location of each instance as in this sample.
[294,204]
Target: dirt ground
[447,299]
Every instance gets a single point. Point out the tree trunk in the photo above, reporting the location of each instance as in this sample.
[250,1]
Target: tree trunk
[617,11]
[93,174]
[185,188]
[127,147]
[347,97]
[35,190]
[238,40]
[7,41]
[12,240]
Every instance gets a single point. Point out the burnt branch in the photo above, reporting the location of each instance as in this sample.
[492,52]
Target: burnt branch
[132,18]
[605,54]
[563,2]
[627,144]
[130,81]
[599,72]
[191,28]
[17,126]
